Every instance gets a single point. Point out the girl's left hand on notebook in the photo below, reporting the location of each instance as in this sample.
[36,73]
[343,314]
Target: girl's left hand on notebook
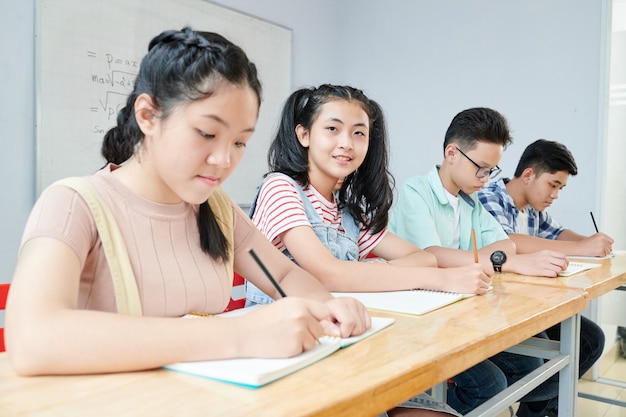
[282,329]
[468,279]
[349,317]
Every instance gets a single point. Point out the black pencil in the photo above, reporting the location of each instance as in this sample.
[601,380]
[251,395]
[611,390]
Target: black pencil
[267,273]
[594,221]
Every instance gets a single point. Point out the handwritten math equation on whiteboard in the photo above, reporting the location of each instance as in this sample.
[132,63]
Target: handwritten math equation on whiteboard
[116,75]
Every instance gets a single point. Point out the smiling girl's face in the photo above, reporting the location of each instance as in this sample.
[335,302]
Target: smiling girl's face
[337,143]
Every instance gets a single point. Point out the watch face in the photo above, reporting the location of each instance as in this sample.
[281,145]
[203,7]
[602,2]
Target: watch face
[498,257]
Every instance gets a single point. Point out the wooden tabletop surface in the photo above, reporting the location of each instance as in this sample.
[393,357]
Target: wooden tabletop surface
[595,281]
[410,356]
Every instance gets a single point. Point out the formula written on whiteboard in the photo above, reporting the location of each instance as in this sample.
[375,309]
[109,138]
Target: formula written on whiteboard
[85,72]
[117,80]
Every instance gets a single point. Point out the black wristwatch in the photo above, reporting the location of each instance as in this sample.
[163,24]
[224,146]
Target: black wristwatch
[497,259]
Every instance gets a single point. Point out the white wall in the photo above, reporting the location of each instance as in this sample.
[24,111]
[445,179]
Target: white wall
[537,62]
[316,29]
[615,165]
[613,305]
[17,126]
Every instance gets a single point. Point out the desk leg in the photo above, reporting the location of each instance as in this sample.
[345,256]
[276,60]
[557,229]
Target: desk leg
[593,304]
[568,376]
[439,391]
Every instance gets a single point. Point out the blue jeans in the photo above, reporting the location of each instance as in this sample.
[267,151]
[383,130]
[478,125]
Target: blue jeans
[474,386]
[480,383]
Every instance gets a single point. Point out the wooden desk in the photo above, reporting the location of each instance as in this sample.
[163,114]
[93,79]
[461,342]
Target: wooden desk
[595,281]
[412,355]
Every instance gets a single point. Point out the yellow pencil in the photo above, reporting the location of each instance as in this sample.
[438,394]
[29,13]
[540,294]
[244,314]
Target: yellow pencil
[474,246]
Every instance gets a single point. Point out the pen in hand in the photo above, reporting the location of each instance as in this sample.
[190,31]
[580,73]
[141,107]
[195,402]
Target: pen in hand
[274,282]
[595,226]
[267,273]
[593,219]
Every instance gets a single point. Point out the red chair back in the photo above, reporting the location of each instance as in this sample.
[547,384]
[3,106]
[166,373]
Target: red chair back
[237,300]
[238,294]
[4,292]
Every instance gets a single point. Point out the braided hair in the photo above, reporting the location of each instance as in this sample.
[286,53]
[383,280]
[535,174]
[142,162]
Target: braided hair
[182,66]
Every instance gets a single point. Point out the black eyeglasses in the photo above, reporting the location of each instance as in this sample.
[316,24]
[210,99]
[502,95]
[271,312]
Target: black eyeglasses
[482,172]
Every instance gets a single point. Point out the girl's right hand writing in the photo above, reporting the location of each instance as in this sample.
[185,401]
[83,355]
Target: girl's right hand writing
[285,328]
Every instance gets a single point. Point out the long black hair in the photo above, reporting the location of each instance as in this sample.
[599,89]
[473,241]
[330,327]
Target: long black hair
[182,66]
[367,193]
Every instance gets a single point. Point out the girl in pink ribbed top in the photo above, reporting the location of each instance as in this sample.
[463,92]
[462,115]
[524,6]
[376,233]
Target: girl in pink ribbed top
[181,134]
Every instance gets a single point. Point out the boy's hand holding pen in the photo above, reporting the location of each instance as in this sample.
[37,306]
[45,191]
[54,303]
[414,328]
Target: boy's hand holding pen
[605,241]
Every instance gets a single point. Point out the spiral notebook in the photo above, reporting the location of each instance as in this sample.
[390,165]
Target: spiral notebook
[416,302]
[257,372]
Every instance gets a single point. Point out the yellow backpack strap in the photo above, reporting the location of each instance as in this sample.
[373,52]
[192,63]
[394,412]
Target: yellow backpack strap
[124,284]
[223,212]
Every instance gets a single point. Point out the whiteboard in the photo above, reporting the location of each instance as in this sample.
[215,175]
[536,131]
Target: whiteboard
[88,54]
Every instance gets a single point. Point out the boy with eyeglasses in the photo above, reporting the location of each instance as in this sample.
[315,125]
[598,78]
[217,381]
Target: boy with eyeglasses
[519,205]
[438,211]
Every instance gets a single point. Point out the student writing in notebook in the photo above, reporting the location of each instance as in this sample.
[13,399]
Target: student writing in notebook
[329,179]
[325,204]
[519,205]
[438,212]
[182,132]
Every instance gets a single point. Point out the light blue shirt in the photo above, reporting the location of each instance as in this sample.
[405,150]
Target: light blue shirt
[423,216]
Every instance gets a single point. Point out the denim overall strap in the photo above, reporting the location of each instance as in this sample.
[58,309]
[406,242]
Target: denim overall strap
[343,245]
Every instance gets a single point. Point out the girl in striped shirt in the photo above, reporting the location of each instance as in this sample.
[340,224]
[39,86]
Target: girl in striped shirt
[326,200]
[325,204]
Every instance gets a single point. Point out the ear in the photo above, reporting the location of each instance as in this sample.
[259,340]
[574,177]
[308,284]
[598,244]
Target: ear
[527,175]
[449,152]
[303,136]
[146,113]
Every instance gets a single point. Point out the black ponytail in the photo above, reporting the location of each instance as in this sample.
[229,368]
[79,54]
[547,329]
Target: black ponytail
[120,141]
[212,240]
[285,154]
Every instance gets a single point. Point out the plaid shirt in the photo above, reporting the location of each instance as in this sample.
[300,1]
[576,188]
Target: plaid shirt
[498,202]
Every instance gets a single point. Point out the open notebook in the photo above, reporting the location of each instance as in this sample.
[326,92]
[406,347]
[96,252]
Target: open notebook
[415,302]
[613,254]
[256,372]
[575,267]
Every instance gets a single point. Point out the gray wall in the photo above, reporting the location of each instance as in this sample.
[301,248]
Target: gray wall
[539,63]
[17,130]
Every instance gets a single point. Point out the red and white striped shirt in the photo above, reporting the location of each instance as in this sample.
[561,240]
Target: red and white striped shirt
[279,208]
